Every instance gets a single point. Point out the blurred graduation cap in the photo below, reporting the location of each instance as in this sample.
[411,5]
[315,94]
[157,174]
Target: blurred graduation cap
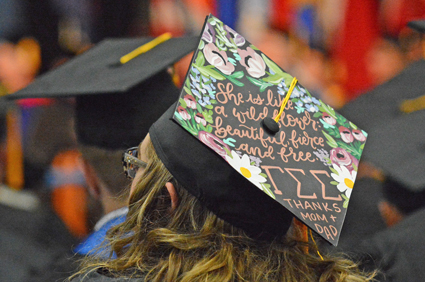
[398,149]
[121,86]
[265,150]
[401,94]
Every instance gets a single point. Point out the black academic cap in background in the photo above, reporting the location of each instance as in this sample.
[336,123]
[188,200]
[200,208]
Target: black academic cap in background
[225,142]
[418,25]
[116,102]
[398,149]
[389,100]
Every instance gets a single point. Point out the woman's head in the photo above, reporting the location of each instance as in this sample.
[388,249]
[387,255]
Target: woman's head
[166,239]
[216,184]
[158,197]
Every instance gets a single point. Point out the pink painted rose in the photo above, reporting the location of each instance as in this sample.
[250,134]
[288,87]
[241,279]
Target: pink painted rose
[214,143]
[218,59]
[183,113]
[346,135]
[341,157]
[199,118]
[328,119]
[358,134]
[190,101]
[253,62]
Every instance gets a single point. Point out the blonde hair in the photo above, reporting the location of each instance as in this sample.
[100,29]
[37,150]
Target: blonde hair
[190,243]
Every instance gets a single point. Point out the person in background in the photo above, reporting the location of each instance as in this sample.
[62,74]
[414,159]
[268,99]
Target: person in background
[108,117]
[170,235]
[398,151]
[200,212]
[32,236]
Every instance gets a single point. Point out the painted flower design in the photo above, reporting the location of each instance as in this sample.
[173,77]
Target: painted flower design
[346,135]
[311,108]
[196,87]
[358,135]
[218,59]
[214,143]
[341,157]
[282,85]
[254,64]
[199,118]
[315,101]
[256,160]
[328,119]
[345,179]
[299,92]
[237,38]
[190,101]
[244,167]
[299,107]
[204,101]
[323,156]
[183,113]
[208,34]
[307,99]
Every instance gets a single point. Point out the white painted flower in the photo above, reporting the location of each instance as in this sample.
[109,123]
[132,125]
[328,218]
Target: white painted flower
[345,179]
[244,167]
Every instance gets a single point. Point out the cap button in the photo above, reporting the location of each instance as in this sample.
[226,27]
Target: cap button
[270,125]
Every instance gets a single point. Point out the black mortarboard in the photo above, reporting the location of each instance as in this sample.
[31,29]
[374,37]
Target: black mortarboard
[398,148]
[389,100]
[116,102]
[228,142]
[418,25]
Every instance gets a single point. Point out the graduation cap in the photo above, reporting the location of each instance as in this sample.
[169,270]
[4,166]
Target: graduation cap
[121,87]
[418,25]
[403,93]
[253,145]
[398,149]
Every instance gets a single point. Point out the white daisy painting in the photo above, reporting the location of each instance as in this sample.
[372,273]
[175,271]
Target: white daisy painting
[251,172]
[344,180]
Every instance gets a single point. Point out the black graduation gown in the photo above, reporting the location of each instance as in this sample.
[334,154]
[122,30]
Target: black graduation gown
[30,242]
[398,251]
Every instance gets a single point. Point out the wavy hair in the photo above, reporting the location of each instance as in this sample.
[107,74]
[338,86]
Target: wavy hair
[190,243]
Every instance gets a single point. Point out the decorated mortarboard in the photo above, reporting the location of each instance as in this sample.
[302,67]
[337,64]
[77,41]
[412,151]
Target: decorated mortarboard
[253,145]
[121,87]
[418,25]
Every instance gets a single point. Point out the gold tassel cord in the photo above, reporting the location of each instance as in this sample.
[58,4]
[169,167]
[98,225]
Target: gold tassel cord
[145,48]
[413,105]
[314,242]
[282,107]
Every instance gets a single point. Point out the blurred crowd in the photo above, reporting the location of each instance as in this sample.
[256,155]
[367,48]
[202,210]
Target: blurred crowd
[338,49]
